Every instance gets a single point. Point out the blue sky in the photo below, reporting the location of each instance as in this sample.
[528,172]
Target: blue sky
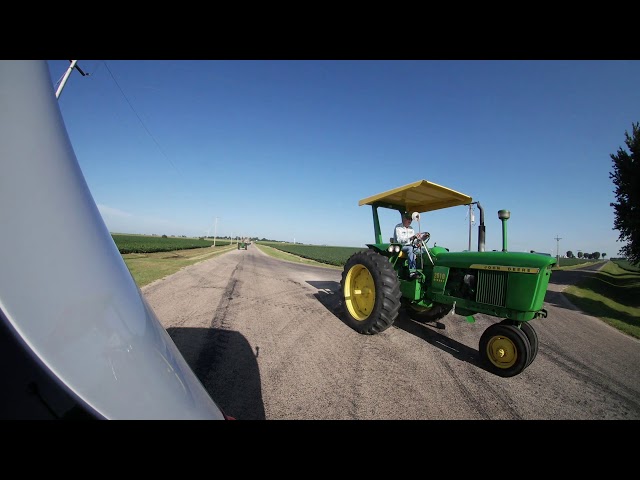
[284,150]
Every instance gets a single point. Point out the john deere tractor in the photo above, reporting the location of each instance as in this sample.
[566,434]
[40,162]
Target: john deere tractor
[376,283]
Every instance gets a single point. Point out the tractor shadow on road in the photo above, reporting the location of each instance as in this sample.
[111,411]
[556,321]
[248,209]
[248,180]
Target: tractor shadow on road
[560,300]
[428,332]
[328,295]
[227,367]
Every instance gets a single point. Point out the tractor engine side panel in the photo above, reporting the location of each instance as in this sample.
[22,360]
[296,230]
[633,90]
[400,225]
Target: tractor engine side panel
[499,293]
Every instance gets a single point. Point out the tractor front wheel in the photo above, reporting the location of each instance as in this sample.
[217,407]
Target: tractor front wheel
[504,349]
[531,335]
[370,292]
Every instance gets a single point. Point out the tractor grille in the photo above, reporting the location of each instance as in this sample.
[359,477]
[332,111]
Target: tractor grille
[492,288]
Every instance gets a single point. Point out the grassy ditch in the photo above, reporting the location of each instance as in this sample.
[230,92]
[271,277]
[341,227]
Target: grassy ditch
[612,295]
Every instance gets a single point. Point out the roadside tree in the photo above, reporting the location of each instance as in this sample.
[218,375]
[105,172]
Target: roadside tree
[626,178]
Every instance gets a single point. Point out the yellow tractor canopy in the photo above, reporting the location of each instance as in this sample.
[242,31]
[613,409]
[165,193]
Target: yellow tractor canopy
[420,196]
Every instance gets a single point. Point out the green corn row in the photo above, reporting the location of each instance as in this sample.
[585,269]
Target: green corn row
[150,244]
[324,254]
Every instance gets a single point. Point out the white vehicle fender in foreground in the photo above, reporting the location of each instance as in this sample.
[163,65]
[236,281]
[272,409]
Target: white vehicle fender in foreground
[78,340]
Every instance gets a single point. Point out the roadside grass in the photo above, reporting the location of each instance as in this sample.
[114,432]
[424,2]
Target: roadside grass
[612,295]
[279,254]
[149,267]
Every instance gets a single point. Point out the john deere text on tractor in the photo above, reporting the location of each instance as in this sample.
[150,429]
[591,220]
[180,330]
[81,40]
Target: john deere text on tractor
[376,284]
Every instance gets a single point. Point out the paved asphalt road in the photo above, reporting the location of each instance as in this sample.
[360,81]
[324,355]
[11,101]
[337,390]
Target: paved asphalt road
[267,340]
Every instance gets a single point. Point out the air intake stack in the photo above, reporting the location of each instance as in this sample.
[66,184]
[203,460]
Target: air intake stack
[504,216]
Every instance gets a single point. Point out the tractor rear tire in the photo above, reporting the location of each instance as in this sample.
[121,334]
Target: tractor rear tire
[370,292]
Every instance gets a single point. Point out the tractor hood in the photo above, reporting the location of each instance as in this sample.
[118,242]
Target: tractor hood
[495,260]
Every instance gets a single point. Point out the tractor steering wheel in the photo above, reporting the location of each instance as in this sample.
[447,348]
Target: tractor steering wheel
[420,238]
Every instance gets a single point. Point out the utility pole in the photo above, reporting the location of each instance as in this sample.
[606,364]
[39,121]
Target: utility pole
[558,249]
[215,232]
[74,64]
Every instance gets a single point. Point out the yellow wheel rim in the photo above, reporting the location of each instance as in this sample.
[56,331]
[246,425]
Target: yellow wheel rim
[502,352]
[359,292]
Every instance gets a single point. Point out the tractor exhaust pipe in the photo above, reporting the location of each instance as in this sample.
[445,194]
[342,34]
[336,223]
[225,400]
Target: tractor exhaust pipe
[481,230]
[504,215]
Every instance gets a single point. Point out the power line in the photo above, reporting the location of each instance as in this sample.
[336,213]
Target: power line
[140,120]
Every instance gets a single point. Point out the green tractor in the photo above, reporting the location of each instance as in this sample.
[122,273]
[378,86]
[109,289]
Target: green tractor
[376,283]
